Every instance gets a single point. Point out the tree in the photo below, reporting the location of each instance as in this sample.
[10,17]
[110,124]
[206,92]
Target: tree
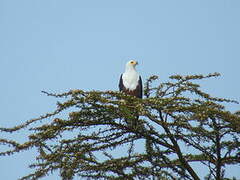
[89,134]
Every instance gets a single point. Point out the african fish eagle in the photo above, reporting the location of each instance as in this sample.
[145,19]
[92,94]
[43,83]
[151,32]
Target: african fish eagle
[130,81]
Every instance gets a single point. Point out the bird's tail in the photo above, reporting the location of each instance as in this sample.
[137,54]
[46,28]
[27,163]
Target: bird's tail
[132,120]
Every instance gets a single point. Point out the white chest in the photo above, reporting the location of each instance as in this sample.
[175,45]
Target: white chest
[130,80]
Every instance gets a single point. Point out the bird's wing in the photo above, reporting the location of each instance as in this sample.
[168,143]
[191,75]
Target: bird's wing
[139,88]
[120,85]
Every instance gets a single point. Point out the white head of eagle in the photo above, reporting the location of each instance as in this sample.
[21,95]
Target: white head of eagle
[130,81]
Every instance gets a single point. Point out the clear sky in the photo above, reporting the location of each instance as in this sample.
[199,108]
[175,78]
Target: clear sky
[58,45]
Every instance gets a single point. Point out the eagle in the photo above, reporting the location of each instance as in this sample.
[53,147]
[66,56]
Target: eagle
[130,81]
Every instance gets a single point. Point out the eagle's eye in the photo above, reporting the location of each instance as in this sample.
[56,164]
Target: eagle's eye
[132,62]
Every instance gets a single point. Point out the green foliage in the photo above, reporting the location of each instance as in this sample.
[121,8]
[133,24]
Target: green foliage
[179,124]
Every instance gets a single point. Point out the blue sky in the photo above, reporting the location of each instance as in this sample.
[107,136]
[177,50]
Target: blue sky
[58,45]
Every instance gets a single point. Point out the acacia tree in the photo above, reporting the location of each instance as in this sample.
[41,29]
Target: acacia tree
[89,134]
